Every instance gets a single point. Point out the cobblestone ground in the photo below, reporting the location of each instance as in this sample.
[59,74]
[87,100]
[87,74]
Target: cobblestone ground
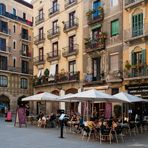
[33,137]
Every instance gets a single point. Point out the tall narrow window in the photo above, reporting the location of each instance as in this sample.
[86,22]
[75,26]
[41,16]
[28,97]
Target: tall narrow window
[14,45]
[55,49]
[114,3]
[72,19]
[72,67]
[14,28]
[41,33]
[40,14]
[41,52]
[14,62]
[137,25]
[2,8]
[14,11]
[25,67]
[24,16]
[114,62]
[55,26]
[2,44]
[55,6]
[96,4]
[72,43]
[114,27]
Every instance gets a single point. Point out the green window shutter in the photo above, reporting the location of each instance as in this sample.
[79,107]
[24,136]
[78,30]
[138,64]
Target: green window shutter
[114,27]
[144,56]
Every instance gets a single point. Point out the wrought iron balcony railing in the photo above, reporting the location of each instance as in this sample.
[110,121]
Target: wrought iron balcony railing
[25,37]
[5,49]
[54,32]
[54,10]
[5,31]
[17,18]
[70,50]
[69,3]
[54,55]
[131,3]
[135,33]
[95,18]
[17,69]
[25,53]
[137,71]
[39,60]
[71,24]
[63,77]
[39,39]
[39,19]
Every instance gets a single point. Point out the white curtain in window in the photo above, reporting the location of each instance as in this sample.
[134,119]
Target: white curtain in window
[114,3]
[114,62]
[52,71]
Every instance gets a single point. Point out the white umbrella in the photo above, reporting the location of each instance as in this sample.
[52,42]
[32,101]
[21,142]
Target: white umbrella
[42,97]
[125,97]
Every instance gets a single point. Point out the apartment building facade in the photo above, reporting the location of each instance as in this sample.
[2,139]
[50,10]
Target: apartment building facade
[58,44]
[135,51]
[16,71]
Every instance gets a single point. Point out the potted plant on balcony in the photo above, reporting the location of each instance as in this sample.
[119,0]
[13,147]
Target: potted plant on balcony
[127,65]
[46,75]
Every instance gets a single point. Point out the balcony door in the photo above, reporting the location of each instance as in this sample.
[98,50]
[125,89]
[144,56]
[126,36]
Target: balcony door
[40,14]
[55,27]
[55,49]
[3,63]
[72,43]
[24,33]
[55,6]
[95,33]
[137,25]
[25,67]
[96,4]
[3,26]
[72,67]
[72,19]
[2,8]
[96,68]
[41,54]
[2,44]
[41,33]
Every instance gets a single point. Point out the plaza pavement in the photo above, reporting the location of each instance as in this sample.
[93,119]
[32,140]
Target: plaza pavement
[34,137]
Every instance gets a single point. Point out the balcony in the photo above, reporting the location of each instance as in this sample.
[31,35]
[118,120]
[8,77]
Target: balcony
[63,77]
[5,49]
[25,54]
[98,44]
[70,3]
[138,71]
[135,34]
[53,56]
[71,24]
[93,18]
[132,3]
[39,19]
[54,10]
[25,37]
[39,60]
[39,39]
[53,33]
[5,31]
[70,51]
[17,69]
[16,18]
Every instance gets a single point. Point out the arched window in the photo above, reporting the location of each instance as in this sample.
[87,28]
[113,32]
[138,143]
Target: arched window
[3,81]
[24,83]
[2,8]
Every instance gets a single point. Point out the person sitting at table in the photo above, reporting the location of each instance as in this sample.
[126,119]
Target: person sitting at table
[42,122]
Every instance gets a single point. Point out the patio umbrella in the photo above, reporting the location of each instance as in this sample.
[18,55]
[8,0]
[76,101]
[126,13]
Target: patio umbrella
[42,97]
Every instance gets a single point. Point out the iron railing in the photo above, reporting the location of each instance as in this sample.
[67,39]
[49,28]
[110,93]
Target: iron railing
[5,31]
[53,32]
[25,37]
[39,39]
[133,2]
[39,19]
[39,60]
[54,55]
[54,10]
[69,3]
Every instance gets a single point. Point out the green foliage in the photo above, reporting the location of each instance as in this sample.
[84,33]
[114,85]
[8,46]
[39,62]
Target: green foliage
[46,72]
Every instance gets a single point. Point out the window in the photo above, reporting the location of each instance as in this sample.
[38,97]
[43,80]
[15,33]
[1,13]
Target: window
[96,69]
[41,33]
[96,4]
[14,11]
[25,50]
[55,6]
[4,27]
[40,14]
[72,43]
[24,16]
[41,54]
[14,62]
[114,27]
[55,26]
[55,49]
[114,62]
[95,33]
[114,3]
[2,8]
[3,81]
[14,45]
[14,28]
[25,67]
[137,25]
[25,34]
[24,83]
[72,67]
[2,44]
[3,63]
[72,19]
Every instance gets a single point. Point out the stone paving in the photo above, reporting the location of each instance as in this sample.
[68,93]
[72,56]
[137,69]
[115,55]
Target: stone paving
[34,137]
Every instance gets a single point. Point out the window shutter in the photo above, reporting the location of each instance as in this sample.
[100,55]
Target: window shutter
[144,56]
[114,62]
[132,58]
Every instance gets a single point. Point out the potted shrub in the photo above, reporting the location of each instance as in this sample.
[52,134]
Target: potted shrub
[127,65]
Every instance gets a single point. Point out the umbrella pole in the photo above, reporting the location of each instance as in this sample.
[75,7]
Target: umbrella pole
[122,113]
[92,108]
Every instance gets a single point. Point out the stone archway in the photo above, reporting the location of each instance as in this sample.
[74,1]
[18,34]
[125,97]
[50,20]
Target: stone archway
[4,102]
